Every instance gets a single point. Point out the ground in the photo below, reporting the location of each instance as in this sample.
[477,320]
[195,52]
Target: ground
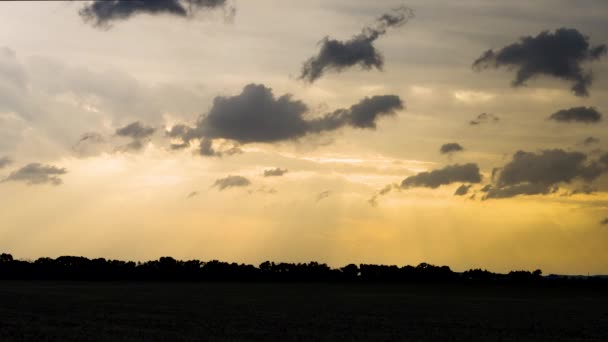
[111,311]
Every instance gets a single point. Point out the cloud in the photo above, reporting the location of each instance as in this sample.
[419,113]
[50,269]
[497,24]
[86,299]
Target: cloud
[277,172]
[90,144]
[559,54]
[5,161]
[520,189]
[135,130]
[484,118]
[103,12]
[322,195]
[256,115]
[231,181]
[468,173]
[577,114]
[450,148]
[36,173]
[335,55]
[192,194]
[463,190]
[530,173]
[373,201]
[591,141]
[604,221]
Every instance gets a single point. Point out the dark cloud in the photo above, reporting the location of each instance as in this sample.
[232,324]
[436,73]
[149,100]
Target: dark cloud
[138,133]
[5,161]
[560,54]
[530,173]
[135,130]
[322,195]
[133,146]
[277,172]
[192,194]
[263,190]
[520,189]
[36,173]
[584,189]
[450,148]
[577,114]
[590,141]
[467,173]
[231,181]
[89,144]
[484,118]
[255,115]
[335,55]
[604,221]
[463,190]
[374,199]
[102,12]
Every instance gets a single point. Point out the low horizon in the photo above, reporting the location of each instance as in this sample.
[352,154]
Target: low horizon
[468,134]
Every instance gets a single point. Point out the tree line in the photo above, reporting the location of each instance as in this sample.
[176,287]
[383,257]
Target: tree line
[170,269]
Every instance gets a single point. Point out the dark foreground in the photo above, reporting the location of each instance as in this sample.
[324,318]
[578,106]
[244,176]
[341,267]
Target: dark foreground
[86,311]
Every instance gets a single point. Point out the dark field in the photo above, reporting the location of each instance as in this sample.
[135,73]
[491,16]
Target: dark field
[84,311]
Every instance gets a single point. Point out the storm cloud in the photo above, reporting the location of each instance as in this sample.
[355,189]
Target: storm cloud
[230,182]
[466,173]
[101,13]
[530,173]
[450,148]
[256,115]
[277,172]
[577,114]
[335,55]
[5,161]
[560,54]
[36,173]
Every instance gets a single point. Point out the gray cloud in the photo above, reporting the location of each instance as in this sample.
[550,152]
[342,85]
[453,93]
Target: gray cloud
[484,118]
[604,221]
[89,144]
[36,173]
[467,173]
[5,161]
[277,172]
[560,54]
[591,141]
[135,130]
[463,190]
[519,189]
[373,201]
[530,173]
[323,195]
[255,115]
[231,181]
[192,194]
[335,55]
[577,114]
[102,12]
[450,148]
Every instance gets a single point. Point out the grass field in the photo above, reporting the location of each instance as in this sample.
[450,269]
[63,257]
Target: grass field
[82,311]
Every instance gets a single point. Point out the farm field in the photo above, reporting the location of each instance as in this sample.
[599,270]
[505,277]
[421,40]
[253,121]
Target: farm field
[145,311]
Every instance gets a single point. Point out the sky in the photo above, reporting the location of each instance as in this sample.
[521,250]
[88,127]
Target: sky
[470,134]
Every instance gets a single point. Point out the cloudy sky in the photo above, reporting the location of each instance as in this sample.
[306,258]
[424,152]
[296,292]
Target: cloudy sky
[469,133]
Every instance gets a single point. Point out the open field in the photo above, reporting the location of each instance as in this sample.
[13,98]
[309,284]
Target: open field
[88,311]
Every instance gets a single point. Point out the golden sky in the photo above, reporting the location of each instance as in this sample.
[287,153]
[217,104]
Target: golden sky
[203,134]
